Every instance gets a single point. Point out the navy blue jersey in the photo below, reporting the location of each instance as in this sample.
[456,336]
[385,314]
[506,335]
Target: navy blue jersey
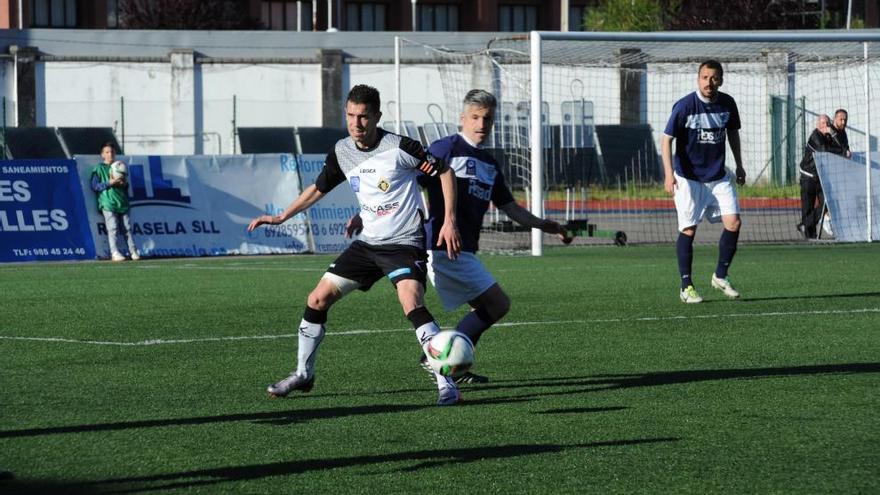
[478,180]
[700,132]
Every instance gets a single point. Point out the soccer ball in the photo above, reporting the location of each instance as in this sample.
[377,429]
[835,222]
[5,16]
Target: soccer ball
[118,169]
[450,353]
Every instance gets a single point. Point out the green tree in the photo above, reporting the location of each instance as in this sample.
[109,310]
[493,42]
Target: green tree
[630,15]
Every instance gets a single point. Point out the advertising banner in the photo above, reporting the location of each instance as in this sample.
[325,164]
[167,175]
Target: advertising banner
[843,182]
[328,216]
[42,212]
[201,205]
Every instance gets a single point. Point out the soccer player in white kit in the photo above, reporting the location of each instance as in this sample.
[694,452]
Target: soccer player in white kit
[702,187]
[382,169]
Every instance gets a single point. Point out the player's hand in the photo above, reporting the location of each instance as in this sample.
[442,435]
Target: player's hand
[263,220]
[118,182]
[669,184]
[354,226]
[551,227]
[449,235]
[741,176]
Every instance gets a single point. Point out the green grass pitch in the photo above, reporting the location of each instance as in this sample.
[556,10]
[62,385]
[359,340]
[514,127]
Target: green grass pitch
[150,377]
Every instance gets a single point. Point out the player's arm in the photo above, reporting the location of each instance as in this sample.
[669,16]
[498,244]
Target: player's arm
[733,138]
[524,217]
[331,176]
[308,197]
[449,231]
[666,155]
[430,165]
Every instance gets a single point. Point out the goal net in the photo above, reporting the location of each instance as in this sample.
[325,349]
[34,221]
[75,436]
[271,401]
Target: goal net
[605,99]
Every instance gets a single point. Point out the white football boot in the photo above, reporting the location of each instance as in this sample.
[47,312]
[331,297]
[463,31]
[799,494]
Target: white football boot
[690,295]
[723,284]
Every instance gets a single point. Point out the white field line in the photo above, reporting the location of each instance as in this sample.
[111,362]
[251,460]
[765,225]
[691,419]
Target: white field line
[151,342]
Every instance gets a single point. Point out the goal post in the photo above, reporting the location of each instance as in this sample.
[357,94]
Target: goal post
[581,116]
[783,40]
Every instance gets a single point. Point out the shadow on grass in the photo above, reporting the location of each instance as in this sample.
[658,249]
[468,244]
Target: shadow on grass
[596,383]
[416,460]
[279,418]
[811,296]
[275,417]
[44,487]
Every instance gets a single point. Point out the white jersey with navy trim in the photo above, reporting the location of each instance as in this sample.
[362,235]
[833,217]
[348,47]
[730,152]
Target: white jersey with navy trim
[384,179]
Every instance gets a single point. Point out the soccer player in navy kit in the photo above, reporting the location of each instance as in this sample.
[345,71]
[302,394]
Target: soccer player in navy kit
[382,170]
[700,124]
[464,279]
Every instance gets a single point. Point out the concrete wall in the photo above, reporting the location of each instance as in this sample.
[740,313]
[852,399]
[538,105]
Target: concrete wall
[180,101]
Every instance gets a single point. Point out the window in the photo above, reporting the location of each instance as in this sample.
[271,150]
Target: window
[518,18]
[365,17]
[53,13]
[112,13]
[438,17]
[576,18]
[280,15]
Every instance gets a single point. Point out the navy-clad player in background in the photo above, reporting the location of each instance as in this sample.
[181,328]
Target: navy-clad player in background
[382,170]
[480,180]
[698,180]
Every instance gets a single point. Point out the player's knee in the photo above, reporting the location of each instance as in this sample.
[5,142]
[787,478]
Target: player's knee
[321,298]
[733,225]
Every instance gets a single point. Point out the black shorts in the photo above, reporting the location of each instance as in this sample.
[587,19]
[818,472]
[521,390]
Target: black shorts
[365,264]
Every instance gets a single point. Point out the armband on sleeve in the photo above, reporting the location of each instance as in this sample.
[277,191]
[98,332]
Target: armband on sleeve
[432,166]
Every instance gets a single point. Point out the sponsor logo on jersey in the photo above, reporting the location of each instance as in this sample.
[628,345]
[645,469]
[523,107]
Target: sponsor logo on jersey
[383,209]
[355,182]
[383,185]
[477,190]
[368,170]
[710,136]
[470,167]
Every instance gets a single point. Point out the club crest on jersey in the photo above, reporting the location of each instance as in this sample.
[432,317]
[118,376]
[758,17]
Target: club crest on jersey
[470,167]
[383,185]
[355,182]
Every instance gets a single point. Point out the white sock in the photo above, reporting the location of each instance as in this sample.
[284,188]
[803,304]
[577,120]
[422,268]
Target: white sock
[426,332]
[310,337]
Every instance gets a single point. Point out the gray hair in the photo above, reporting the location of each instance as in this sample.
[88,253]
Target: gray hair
[480,98]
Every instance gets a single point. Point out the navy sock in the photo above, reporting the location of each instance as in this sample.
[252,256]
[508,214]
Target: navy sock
[684,247]
[474,324]
[726,250]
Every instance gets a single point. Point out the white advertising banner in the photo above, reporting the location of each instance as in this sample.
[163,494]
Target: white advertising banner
[328,216]
[843,182]
[201,205]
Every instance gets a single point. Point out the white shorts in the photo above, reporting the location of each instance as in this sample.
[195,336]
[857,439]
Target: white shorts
[458,281]
[695,200]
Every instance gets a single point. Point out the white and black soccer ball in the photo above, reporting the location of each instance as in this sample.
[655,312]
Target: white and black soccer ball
[118,169]
[450,353]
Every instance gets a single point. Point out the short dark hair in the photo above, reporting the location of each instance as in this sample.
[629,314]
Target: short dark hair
[367,95]
[840,110]
[111,145]
[714,65]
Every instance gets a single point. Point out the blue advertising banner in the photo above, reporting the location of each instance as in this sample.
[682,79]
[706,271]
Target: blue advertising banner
[328,217]
[42,212]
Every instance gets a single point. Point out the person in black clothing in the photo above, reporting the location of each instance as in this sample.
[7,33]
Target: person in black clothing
[839,131]
[824,138]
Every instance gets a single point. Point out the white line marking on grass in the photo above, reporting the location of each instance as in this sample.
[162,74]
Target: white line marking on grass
[151,342]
